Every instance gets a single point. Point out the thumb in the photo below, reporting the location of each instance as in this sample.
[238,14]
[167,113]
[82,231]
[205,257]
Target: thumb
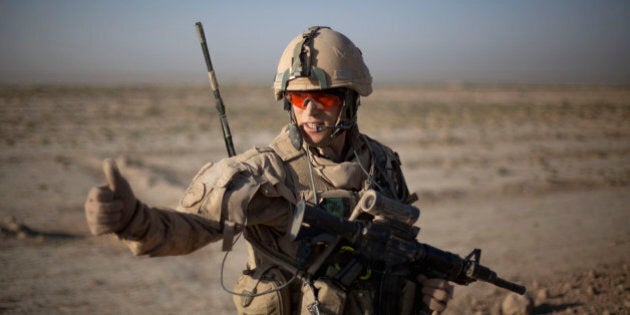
[115,181]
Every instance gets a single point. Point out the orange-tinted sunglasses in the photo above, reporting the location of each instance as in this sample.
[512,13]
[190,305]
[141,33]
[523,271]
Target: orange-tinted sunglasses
[327,100]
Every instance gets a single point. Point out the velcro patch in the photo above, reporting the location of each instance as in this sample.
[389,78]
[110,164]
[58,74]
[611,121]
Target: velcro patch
[194,194]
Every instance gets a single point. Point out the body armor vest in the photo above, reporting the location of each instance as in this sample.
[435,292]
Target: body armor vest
[373,167]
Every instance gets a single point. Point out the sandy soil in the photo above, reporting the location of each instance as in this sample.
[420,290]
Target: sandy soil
[536,176]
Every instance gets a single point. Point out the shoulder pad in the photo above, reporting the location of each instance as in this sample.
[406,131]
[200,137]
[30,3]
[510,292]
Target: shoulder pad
[196,190]
[283,147]
[243,174]
[383,154]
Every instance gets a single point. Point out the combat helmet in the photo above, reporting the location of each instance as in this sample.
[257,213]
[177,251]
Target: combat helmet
[323,59]
[319,59]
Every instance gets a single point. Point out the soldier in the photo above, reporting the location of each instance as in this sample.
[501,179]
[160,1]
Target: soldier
[319,157]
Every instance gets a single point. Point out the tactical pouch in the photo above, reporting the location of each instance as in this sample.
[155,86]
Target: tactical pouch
[330,298]
[360,301]
[275,302]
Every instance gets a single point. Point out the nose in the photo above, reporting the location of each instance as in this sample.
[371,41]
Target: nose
[311,106]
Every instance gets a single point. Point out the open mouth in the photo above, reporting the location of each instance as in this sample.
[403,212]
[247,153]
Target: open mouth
[312,126]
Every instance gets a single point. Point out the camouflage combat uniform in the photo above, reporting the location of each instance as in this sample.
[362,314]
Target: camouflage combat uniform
[255,193]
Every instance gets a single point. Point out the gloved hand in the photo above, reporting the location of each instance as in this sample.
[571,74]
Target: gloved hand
[109,208]
[435,293]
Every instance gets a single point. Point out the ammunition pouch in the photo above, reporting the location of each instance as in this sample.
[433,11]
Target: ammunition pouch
[324,296]
[268,280]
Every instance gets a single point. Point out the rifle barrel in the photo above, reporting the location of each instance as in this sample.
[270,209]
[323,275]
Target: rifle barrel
[514,287]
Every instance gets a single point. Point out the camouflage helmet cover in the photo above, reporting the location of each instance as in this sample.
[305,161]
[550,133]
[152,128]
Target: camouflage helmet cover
[321,58]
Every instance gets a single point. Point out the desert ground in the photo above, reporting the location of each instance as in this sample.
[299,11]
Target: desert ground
[537,176]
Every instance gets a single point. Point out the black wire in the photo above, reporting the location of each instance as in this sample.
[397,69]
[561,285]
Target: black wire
[250,294]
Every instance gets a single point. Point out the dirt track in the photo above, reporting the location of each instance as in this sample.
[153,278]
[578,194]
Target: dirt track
[536,176]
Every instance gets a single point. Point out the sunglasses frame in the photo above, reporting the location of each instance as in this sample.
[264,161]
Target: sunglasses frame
[316,96]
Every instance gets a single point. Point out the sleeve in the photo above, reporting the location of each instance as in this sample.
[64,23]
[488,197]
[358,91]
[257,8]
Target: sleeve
[221,199]
[389,172]
[400,186]
[163,232]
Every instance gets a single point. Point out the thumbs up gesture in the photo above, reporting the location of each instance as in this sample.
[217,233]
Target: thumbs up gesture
[109,208]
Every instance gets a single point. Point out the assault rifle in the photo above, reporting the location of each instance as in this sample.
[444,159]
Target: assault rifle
[389,238]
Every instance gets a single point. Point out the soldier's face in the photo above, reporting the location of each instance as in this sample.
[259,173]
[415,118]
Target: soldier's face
[313,110]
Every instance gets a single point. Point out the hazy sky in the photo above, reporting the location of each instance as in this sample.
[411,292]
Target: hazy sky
[127,41]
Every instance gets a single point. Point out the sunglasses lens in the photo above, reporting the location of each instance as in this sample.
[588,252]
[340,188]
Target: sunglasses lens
[298,99]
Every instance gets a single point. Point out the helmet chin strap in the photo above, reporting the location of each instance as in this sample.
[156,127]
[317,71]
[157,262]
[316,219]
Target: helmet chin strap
[294,131]
[347,116]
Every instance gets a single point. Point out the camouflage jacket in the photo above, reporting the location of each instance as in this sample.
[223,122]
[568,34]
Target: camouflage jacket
[255,193]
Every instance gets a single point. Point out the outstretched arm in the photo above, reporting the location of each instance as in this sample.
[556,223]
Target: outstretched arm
[113,208]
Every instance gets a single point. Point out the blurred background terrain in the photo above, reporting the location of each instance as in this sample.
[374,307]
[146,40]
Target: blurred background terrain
[535,175]
[511,119]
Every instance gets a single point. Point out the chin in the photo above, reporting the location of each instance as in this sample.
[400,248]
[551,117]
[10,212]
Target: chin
[314,142]
[316,138]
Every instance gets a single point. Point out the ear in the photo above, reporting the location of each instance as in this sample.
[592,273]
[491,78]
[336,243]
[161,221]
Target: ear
[287,104]
[351,102]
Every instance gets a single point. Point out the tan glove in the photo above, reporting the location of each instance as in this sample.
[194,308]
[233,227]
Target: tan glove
[109,208]
[435,293]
